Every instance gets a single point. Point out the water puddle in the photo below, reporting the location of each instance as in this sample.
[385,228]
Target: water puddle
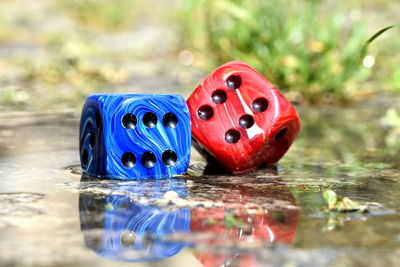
[51,214]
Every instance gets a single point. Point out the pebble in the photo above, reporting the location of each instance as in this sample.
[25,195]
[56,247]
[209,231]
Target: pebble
[171,195]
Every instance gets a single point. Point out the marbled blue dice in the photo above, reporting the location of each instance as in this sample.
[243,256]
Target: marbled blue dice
[135,136]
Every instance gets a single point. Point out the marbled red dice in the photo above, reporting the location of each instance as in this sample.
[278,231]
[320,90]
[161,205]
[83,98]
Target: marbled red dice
[240,120]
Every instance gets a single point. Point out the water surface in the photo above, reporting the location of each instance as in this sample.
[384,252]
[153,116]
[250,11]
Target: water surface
[51,214]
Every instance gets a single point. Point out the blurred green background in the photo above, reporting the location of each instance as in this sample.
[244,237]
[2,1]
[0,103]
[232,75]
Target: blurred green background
[53,53]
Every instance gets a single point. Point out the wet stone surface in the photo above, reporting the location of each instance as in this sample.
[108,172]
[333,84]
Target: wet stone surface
[18,204]
[51,214]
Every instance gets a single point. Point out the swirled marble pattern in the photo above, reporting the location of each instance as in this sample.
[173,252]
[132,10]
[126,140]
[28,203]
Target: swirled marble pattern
[117,227]
[104,139]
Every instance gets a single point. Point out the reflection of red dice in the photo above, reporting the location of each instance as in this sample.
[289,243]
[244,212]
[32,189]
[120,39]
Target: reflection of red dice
[240,119]
[225,259]
[256,230]
[271,226]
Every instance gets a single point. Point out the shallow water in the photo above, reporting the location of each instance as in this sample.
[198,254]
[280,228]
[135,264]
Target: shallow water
[52,215]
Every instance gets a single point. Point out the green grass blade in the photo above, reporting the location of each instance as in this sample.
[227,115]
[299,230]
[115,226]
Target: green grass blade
[364,49]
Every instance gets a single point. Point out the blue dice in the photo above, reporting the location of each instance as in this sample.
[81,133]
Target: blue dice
[135,136]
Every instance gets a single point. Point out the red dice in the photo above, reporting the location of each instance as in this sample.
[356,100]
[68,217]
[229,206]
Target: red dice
[240,120]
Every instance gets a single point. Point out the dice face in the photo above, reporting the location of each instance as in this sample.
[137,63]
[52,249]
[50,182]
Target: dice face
[240,120]
[127,136]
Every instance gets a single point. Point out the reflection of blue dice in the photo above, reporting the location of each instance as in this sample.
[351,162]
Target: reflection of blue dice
[118,226]
[128,136]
